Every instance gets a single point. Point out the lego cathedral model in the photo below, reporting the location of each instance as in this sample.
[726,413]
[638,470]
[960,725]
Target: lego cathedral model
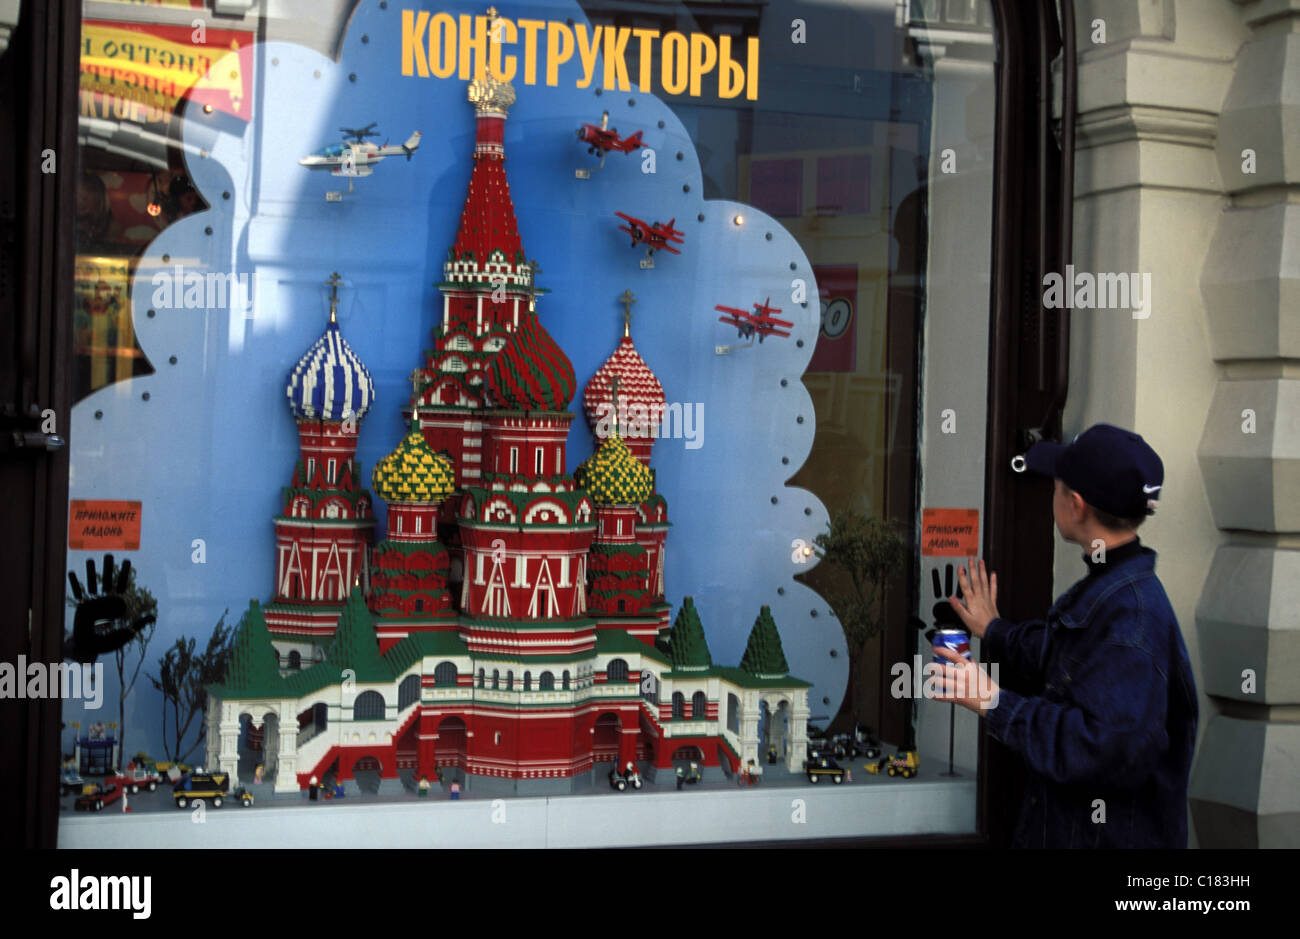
[510,631]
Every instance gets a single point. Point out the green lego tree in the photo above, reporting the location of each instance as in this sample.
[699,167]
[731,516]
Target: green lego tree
[686,644]
[764,656]
[866,553]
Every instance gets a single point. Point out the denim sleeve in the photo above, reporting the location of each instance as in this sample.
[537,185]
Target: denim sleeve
[1111,728]
[1017,648]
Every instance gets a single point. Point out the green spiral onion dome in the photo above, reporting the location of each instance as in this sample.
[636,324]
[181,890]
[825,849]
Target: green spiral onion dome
[531,372]
[613,476]
[413,472]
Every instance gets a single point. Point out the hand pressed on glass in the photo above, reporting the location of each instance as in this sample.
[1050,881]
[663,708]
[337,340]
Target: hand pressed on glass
[979,591]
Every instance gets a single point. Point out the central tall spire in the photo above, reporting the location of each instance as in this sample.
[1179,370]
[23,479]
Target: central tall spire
[489,234]
[488,289]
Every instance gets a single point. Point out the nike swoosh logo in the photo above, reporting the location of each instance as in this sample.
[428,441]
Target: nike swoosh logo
[1150,489]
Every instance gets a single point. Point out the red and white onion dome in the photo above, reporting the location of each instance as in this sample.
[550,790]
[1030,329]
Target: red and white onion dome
[640,405]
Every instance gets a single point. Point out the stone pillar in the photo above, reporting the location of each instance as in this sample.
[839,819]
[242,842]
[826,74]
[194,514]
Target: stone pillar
[228,757]
[1243,791]
[1148,193]
[798,731]
[286,762]
[212,732]
[749,742]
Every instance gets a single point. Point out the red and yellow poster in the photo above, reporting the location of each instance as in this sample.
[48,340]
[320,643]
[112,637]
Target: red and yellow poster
[140,72]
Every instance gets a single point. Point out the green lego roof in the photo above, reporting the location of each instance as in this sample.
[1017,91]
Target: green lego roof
[764,657]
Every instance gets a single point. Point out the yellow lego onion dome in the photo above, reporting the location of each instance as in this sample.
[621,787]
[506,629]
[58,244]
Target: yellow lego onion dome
[614,476]
[413,472]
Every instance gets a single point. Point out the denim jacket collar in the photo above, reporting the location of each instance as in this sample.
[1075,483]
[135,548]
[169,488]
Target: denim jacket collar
[1074,608]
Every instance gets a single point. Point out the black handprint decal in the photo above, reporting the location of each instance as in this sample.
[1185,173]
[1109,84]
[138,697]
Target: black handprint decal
[945,617]
[97,626]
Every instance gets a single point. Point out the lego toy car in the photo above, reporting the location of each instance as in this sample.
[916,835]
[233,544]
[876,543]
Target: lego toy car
[864,743]
[99,796]
[197,787]
[824,766]
[135,779]
[173,771]
[628,777]
[906,764]
[71,782]
[244,796]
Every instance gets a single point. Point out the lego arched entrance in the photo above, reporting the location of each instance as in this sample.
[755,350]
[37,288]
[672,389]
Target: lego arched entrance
[366,773]
[688,764]
[775,729]
[259,743]
[450,746]
[606,734]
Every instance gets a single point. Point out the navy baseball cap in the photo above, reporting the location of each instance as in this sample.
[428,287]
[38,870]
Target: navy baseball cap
[1113,469]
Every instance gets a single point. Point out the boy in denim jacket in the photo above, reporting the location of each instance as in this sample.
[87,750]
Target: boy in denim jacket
[1098,698]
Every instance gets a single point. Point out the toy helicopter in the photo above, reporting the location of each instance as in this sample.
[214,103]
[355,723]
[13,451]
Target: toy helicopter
[655,236]
[355,155]
[602,139]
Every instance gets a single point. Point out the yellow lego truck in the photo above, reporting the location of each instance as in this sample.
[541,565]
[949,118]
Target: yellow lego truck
[906,764]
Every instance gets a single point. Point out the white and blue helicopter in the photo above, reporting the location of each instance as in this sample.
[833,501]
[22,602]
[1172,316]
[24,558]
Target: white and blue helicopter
[355,155]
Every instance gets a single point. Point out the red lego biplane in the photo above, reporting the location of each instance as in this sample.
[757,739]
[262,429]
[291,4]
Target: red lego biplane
[602,139]
[654,236]
[761,321]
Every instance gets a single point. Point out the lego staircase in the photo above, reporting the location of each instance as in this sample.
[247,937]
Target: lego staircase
[333,751]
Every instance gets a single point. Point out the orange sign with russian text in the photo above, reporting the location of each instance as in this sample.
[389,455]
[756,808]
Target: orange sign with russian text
[103,524]
[953,533]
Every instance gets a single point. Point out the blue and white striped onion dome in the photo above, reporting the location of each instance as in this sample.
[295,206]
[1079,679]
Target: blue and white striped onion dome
[329,381]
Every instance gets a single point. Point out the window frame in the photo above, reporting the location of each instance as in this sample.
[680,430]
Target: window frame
[1028,363]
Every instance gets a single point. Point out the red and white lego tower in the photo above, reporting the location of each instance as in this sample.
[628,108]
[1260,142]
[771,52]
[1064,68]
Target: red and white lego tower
[487,288]
[324,530]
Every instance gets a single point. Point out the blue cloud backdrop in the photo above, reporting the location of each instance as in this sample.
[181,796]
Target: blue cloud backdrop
[209,449]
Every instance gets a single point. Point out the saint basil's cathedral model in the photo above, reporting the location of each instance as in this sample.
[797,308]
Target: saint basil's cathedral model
[510,632]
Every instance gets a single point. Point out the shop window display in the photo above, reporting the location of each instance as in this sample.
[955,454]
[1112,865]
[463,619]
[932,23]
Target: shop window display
[376,293]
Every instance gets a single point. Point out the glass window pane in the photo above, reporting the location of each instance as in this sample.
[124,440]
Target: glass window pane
[331,295]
